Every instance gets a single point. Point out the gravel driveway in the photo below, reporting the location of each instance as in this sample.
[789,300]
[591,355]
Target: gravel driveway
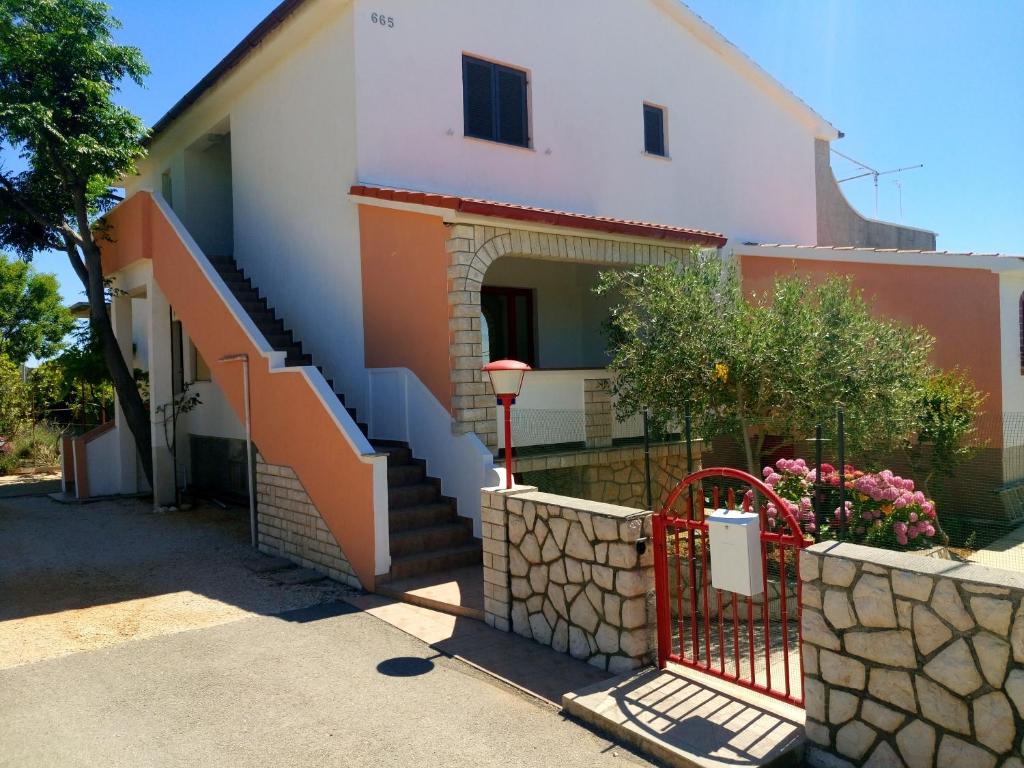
[81,577]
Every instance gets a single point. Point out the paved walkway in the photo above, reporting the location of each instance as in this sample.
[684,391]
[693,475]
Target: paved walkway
[533,668]
[135,639]
[316,687]
[690,719]
[1006,552]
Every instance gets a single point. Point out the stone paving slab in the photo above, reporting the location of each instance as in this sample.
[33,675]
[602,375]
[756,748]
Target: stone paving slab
[690,719]
[459,591]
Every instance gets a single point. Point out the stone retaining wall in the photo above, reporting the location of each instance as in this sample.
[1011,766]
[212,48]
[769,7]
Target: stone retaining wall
[566,573]
[613,475]
[289,525]
[911,661]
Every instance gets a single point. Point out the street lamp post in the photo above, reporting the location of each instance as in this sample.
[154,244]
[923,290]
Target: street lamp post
[507,381]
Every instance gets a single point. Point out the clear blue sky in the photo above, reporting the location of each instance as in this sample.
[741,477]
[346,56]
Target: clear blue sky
[939,82]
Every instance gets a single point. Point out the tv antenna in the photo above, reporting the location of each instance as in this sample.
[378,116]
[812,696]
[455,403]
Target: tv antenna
[875,173]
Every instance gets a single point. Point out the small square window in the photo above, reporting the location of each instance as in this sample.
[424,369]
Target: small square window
[494,102]
[654,130]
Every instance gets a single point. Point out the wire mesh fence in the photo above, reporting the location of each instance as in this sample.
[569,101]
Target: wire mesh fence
[543,429]
[969,507]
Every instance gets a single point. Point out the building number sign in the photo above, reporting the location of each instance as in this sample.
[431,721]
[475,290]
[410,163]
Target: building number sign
[384,21]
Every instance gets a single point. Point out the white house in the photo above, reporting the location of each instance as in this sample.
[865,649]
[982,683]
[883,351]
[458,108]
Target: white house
[332,226]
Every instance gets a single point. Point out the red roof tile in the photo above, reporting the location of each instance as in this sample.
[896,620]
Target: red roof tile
[548,216]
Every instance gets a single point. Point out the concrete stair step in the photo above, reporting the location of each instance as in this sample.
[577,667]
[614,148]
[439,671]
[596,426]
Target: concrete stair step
[439,560]
[407,474]
[398,453]
[412,495]
[425,540]
[280,340]
[421,516]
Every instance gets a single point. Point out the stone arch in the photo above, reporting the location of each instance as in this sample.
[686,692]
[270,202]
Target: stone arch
[472,249]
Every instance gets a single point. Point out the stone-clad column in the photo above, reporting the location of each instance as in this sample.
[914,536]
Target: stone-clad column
[568,573]
[597,412]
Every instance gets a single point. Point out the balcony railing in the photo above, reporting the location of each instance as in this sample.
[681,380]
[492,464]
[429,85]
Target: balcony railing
[567,408]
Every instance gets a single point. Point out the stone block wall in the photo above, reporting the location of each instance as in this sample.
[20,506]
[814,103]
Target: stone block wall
[597,413]
[289,525]
[911,661]
[611,475]
[566,572]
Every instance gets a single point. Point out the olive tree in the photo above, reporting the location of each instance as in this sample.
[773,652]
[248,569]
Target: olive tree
[59,71]
[759,365]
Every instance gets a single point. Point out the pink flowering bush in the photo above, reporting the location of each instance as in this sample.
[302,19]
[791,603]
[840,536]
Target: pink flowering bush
[882,509]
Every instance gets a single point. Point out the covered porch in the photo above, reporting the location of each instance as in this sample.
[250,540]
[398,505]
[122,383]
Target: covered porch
[549,315]
[528,294]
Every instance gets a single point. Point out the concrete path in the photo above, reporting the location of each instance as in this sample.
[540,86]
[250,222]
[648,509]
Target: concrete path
[1006,552]
[315,687]
[29,483]
[693,720]
[140,640]
[535,669]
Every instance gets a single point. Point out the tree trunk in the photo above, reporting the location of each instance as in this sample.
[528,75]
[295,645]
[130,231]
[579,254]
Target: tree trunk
[135,412]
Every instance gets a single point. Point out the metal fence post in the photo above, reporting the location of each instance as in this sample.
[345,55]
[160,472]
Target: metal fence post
[819,484]
[841,438]
[647,457]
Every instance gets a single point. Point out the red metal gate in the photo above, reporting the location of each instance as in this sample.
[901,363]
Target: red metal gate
[752,641]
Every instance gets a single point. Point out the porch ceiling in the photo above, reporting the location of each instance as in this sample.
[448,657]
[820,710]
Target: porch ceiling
[550,217]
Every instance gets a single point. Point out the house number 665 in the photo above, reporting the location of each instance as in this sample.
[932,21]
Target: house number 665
[384,21]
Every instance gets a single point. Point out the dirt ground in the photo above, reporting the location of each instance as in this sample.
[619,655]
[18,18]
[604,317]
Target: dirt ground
[81,577]
[30,482]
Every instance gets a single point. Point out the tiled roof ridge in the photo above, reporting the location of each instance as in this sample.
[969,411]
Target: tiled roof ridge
[536,214]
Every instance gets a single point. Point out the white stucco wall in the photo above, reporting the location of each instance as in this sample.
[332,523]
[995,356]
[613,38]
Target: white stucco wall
[742,159]
[741,162]
[208,203]
[296,232]
[102,465]
[291,110]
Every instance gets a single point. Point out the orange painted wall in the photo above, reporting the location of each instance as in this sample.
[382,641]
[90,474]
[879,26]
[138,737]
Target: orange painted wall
[129,237]
[405,294]
[959,307]
[290,424]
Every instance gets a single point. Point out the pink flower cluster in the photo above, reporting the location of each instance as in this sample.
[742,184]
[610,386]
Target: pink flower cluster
[888,501]
[792,480]
[882,508]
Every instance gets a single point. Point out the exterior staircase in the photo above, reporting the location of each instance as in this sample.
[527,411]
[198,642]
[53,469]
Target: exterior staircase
[426,532]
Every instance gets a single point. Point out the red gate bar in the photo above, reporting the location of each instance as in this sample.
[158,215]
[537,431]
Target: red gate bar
[695,619]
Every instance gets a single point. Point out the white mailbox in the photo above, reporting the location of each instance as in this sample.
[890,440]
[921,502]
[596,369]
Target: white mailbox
[735,551]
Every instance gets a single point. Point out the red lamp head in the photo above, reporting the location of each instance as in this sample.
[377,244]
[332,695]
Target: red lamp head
[506,376]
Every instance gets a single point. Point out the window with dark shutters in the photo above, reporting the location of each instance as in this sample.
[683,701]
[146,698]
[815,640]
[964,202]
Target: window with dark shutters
[654,130]
[494,102]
